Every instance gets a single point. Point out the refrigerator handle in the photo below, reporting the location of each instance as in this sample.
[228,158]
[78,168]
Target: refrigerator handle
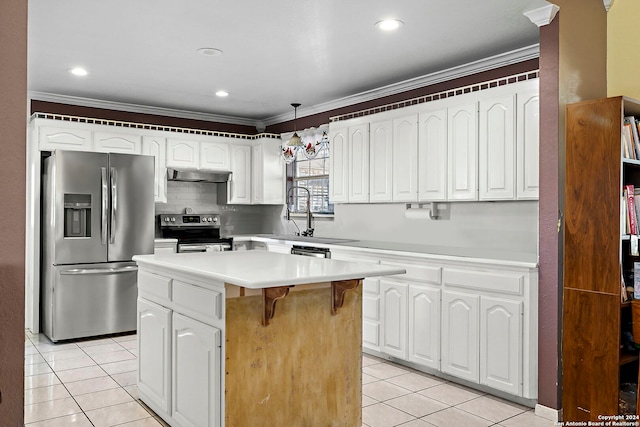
[80,271]
[114,204]
[105,207]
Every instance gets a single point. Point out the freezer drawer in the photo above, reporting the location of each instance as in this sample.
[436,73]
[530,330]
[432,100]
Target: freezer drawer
[86,300]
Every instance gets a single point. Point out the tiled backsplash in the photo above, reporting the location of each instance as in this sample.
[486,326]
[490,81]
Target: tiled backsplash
[235,219]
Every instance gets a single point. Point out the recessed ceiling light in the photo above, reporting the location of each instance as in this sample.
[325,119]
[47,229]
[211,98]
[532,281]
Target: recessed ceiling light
[222,93]
[78,71]
[209,51]
[389,24]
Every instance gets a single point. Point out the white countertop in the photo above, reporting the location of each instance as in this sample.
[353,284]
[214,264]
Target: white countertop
[260,269]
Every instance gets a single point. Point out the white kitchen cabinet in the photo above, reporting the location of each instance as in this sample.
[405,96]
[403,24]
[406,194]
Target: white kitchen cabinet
[154,338]
[183,154]
[405,158]
[460,345]
[339,164]
[268,172]
[214,155]
[196,377]
[393,320]
[497,148]
[58,135]
[115,142]
[239,186]
[501,344]
[371,313]
[381,161]
[462,152]
[527,145]
[432,155]
[424,325]
[358,163]
[157,147]
[349,164]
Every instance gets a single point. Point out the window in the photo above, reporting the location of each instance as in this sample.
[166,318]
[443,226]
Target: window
[314,176]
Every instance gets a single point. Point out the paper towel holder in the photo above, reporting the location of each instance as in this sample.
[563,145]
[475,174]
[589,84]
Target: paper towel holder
[431,207]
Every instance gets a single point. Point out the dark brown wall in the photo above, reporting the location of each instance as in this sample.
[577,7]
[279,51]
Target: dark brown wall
[102,113]
[322,118]
[13,105]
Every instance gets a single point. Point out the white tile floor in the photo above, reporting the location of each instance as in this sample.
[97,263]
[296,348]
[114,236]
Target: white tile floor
[93,383]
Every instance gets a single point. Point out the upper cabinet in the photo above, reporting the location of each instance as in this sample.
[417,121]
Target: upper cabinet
[349,164]
[268,172]
[183,154]
[54,135]
[480,145]
[239,187]
[214,155]
[497,148]
[157,147]
[405,159]
[113,142]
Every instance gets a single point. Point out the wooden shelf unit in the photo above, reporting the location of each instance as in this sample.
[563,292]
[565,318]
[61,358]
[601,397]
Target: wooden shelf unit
[595,174]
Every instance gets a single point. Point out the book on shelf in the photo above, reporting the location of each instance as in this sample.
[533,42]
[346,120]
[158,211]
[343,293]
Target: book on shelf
[636,280]
[629,193]
[629,147]
[633,127]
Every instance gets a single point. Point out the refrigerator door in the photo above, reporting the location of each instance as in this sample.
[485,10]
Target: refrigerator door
[76,205]
[90,299]
[131,223]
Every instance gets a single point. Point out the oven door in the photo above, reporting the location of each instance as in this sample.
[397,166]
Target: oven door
[203,247]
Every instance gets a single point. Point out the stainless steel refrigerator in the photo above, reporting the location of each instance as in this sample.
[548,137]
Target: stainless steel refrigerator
[98,211]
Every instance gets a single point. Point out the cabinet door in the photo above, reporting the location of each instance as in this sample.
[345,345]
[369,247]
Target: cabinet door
[157,147]
[424,326]
[462,152]
[460,335]
[339,165]
[185,154]
[432,156]
[154,353]
[497,149]
[359,163]
[501,344]
[196,379]
[64,138]
[214,156]
[527,145]
[381,161]
[394,318]
[111,142]
[268,172]
[240,183]
[405,159]
[371,313]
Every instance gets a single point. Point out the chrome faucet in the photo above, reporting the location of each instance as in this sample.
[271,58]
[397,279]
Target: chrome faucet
[309,230]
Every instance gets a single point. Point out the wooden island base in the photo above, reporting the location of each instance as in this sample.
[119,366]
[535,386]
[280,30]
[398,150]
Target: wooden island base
[303,369]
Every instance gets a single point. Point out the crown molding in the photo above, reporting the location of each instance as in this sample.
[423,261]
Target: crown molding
[141,109]
[542,15]
[608,4]
[490,63]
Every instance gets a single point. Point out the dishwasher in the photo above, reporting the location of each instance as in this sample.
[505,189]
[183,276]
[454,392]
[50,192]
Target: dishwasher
[311,251]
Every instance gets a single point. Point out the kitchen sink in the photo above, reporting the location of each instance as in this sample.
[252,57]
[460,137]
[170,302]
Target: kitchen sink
[305,239]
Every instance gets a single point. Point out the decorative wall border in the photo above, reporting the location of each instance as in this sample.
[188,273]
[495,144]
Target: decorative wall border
[529,75]
[133,125]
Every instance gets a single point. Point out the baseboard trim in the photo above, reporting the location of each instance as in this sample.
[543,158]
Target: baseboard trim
[548,413]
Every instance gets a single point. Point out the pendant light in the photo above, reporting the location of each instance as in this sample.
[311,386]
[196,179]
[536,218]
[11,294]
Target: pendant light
[291,148]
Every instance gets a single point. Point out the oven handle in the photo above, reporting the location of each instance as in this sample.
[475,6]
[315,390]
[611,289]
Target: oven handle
[211,247]
[192,248]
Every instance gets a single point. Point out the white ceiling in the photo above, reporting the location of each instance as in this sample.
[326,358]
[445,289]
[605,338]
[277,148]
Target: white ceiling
[144,52]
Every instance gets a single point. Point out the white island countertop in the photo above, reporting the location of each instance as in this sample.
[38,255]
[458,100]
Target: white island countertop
[260,269]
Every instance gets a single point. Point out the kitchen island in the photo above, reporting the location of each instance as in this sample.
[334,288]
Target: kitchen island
[251,338]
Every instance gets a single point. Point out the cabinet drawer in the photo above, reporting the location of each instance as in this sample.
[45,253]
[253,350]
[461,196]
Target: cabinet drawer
[154,287]
[371,286]
[503,282]
[425,274]
[203,301]
[371,308]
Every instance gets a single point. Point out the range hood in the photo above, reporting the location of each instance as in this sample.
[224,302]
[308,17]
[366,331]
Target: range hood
[190,175]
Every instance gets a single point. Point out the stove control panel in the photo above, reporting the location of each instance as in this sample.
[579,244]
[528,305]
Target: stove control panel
[189,220]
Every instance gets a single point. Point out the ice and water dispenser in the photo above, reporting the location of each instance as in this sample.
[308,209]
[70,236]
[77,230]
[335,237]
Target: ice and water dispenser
[77,215]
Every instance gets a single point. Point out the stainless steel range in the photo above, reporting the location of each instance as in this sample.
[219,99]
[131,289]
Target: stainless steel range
[195,232]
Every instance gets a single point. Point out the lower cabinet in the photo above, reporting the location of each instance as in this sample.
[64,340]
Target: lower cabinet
[460,335]
[195,373]
[179,357]
[371,313]
[424,325]
[394,318]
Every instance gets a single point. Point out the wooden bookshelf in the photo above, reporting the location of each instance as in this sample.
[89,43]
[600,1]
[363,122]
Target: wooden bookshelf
[593,253]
